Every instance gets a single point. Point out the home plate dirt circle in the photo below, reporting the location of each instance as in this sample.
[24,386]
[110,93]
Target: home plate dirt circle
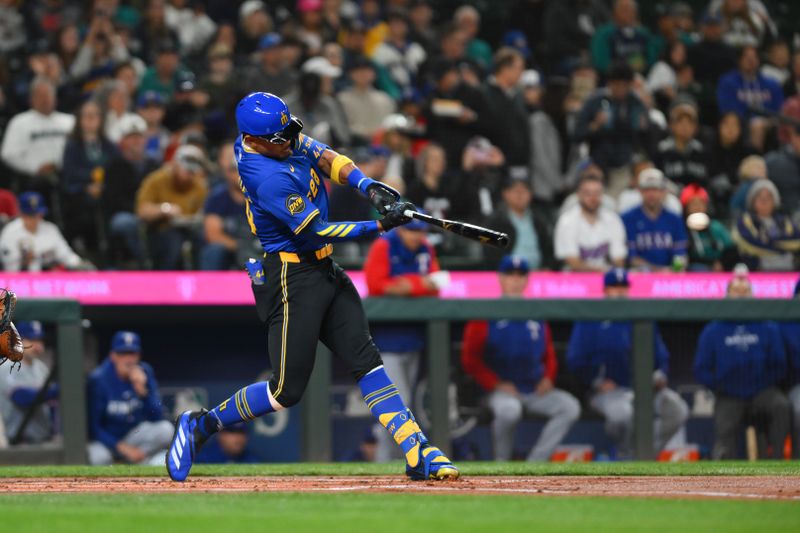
[714,487]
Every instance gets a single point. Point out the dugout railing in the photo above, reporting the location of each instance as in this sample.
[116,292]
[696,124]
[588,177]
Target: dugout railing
[439,315]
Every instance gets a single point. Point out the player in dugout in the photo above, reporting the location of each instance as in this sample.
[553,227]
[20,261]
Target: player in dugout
[515,362]
[600,354]
[302,296]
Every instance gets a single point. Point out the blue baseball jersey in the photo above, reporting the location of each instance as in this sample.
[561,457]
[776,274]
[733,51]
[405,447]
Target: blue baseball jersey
[740,358]
[656,241]
[115,408]
[791,339]
[602,350]
[283,196]
[515,351]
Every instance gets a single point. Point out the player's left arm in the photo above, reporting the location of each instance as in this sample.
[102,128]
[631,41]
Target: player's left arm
[343,171]
[549,356]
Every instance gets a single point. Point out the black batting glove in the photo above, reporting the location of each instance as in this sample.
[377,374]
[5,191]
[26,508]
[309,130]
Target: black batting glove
[395,215]
[382,196]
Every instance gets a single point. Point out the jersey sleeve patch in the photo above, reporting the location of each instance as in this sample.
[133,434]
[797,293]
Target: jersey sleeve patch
[295,204]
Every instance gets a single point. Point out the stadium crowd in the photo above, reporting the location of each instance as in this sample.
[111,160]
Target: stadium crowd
[587,136]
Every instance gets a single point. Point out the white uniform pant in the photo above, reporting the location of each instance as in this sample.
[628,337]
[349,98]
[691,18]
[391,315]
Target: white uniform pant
[401,367]
[616,406]
[559,407]
[153,438]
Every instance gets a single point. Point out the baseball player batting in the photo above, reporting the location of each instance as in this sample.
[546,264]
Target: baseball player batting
[301,295]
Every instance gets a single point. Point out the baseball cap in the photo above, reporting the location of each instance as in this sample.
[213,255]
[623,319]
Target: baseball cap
[131,125]
[304,6]
[712,17]
[150,98]
[31,331]
[190,157]
[692,191]
[32,203]
[321,66]
[185,83]
[360,62]
[167,46]
[270,40]
[513,263]
[616,277]
[249,7]
[652,178]
[620,71]
[530,78]
[126,342]
[517,39]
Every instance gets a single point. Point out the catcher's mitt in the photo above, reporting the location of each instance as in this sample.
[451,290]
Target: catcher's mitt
[11,347]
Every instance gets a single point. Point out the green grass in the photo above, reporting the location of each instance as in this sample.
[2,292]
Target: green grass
[704,468]
[386,513]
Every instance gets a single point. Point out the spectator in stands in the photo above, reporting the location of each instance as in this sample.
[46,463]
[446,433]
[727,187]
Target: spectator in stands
[169,202]
[191,24]
[506,121]
[9,208]
[226,230]
[791,338]
[421,24]
[229,447]
[431,190]
[321,113]
[162,77]
[128,74]
[727,152]
[398,54]
[468,18]
[681,156]
[710,58]
[744,22]
[767,239]
[600,355]
[151,107]
[625,39]
[711,248]
[662,80]
[514,362]
[126,421]
[123,175]
[20,390]
[783,165]
[656,238]
[153,31]
[271,73]
[792,85]
[568,28]
[452,111]
[86,153]
[528,233]
[401,263]
[397,130]
[614,122]
[746,88]
[742,363]
[116,102]
[101,50]
[590,237]
[751,169]
[222,85]
[30,243]
[545,166]
[364,106]
[776,62]
[631,197]
[34,140]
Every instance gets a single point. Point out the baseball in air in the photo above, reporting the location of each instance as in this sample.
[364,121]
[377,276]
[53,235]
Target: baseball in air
[697,221]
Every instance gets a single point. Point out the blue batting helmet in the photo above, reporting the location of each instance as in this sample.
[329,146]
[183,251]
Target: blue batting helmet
[264,114]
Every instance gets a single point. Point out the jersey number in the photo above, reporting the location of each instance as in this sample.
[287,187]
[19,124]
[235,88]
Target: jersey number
[313,185]
[247,211]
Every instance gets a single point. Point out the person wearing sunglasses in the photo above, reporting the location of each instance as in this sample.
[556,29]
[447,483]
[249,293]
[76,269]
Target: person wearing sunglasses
[301,294]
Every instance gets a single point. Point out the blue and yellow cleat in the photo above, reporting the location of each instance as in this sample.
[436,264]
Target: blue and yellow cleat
[432,464]
[186,442]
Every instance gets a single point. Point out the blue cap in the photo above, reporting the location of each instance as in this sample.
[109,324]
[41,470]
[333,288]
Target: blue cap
[31,331]
[149,98]
[126,342]
[513,263]
[616,277]
[268,41]
[517,39]
[32,203]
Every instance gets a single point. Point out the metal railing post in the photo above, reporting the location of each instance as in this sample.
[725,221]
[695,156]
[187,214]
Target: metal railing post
[73,390]
[643,354]
[316,410]
[439,383]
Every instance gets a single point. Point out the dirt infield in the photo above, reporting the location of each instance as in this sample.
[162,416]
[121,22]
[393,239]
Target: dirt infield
[719,487]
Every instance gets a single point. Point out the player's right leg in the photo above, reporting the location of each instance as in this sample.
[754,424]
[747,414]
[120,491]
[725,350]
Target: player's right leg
[290,303]
[506,414]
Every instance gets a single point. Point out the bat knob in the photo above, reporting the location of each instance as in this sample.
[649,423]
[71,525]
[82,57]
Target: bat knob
[503,241]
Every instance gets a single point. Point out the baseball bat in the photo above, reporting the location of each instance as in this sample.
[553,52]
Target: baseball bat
[470,231]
